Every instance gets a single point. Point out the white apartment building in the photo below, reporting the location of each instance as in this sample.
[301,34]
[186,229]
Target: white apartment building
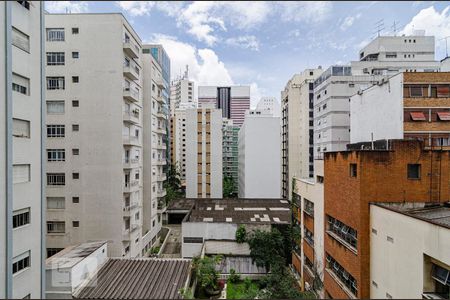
[297,129]
[269,104]
[204,153]
[21,230]
[182,94]
[94,106]
[259,156]
[155,145]
[178,145]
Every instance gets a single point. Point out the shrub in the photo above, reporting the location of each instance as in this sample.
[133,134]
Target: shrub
[234,277]
[241,234]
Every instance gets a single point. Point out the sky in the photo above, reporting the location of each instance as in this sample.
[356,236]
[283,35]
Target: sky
[263,44]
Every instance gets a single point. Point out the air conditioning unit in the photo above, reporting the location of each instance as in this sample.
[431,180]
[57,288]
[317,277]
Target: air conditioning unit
[366,71]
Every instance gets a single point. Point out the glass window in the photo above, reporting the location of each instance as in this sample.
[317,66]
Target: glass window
[75,54]
[21,173]
[56,179]
[56,227]
[413,171]
[21,262]
[55,58]
[56,202]
[20,84]
[21,217]
[20,40]
[55,130]
[56,154]
[55,83]
[55,107]
[21,128]
[55,35]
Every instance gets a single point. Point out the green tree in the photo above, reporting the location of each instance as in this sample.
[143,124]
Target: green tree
[228,187]
[241,234]
[173,184]
[206,273]
[266,248]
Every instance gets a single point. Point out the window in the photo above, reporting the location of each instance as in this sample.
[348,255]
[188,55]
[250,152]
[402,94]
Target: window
[75,30]
[391,55]
[345,233]
[353,170]
[75,199]
[416,91]
[345,277]
[309,207]
[442,91]
[20,40]
[21,128]
[75,79]
[75,103]
[56,179]
[440,274]
[76,223]
[55,83]
[56,203]
[75,54]
[56,130]
[196,240]
[319,179]
[75,175]
[309,236]
[55,35]
[413,171]
[53,251]
[56,227]
[25,4]
[21,217]
[20,84]
[55,107]
[56,155]
[75,151]
[21,262]
[75,127]
[21,173]
[55,59]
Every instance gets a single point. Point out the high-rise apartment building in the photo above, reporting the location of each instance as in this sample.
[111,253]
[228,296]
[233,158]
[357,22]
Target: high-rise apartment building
[259,156]
[410,105]
[232,100]
[269,104]
[182,94]
[297,129]
[230,134]
[178,145]
[96,135]
[21,229]
[204,153]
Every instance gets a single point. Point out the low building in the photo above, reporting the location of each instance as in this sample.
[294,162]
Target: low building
[218,219]
[409,251]
[230,135]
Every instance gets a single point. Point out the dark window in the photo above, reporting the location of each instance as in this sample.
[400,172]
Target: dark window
[21,219]
[75,103]
[55,130]
[75,127]
[76,223]
[25,4]
[413,171]
[196,240]
[75,79]
[21,264]
[56,179]
[75,199]
[319,179]
[53,251]
[75,175]
[353,170]
[75,54]
[75,151]
[75,30]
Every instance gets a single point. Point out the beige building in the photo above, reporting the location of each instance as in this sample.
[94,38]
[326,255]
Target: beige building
[21,229]
[409,251]
[178,138]
[297,129]
[204,153]
[95,137]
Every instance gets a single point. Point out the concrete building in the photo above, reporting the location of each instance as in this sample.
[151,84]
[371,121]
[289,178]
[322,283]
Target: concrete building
[97,162]
[297,129]
[407,105]
[21,116]
[230,135]
[182,94]
[259,156]
[178,145]
[394,171]
[269,104]
[307,257]
[232,100]
[204,153]
[409,257]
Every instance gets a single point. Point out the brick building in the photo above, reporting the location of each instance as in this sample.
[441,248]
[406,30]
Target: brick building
[390,171]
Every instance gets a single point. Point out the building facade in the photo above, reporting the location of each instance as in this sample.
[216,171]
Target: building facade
[394,171]
[269,104]
[230,135]
[204,153]
[259,156]
[232,100]
[178,145]
[182,94]
[413,105]
[94,133]
[297,117]
[22,236]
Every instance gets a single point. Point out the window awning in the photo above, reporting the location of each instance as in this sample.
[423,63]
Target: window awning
[444,116]
[418,116]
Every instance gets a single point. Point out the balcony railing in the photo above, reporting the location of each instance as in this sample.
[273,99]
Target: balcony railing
[130,48]
[131,116]
[130,94]
[131,70]
[131,140]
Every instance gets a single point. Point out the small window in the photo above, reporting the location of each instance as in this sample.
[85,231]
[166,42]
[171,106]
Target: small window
[56,155]
[21,173]
[55,107]
[56,179]
[55,34]
[75,151]
[75,127]
[413,171]
[25,4]
[21,128]
[55,130]
[56,203]
[75,54]
[21,217]
[75,103]
[55,83]
[75,79]
[20,39]
[20,84]
[353,170]
[56,227]
[21,262]
[76,223]
[75,175]
[55,59]
[75,199]
[75,30]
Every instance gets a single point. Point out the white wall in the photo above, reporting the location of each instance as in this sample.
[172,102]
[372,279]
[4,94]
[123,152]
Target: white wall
[378,110]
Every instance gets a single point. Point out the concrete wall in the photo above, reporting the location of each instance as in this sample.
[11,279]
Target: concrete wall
[378,111]
[399,267]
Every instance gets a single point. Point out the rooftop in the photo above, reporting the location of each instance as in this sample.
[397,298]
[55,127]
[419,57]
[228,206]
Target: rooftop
[143,278]
[436,213]
[72,255]
[240,211]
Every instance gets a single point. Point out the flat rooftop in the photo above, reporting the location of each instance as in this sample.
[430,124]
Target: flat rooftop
[181,204]
[240,211]
[140,278]
[436,213]
[72,255]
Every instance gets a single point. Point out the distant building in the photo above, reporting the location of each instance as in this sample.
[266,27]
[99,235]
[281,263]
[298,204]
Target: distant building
[232,100]
[269,104]
[230,135]
[204,153]
[182,94]
[407,105]
[178,145]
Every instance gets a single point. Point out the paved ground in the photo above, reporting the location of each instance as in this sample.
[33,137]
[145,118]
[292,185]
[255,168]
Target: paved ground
[173,245]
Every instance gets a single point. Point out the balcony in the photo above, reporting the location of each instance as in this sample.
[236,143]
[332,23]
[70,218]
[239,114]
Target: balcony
[131,116]
[131,71]
[131,94]
[126,234]
[159,82]
[160,114]
[130,48]
[162,206]
[131,140]
[161,193]
[159,98]
[126,211]
[131,163]
[131,186]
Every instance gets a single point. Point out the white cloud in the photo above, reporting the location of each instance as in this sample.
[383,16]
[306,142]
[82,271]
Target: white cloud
[244,41]
[136,8]
[348,21]
[305,11]
[66,6]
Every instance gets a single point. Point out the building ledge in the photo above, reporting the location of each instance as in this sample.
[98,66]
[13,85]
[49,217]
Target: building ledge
[342,241]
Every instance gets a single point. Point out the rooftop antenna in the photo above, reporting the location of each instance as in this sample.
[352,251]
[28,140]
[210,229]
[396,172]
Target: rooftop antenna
[395,27]
[446,47]
[379,26]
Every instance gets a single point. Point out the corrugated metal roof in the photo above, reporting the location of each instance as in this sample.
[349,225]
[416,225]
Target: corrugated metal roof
[142,278]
